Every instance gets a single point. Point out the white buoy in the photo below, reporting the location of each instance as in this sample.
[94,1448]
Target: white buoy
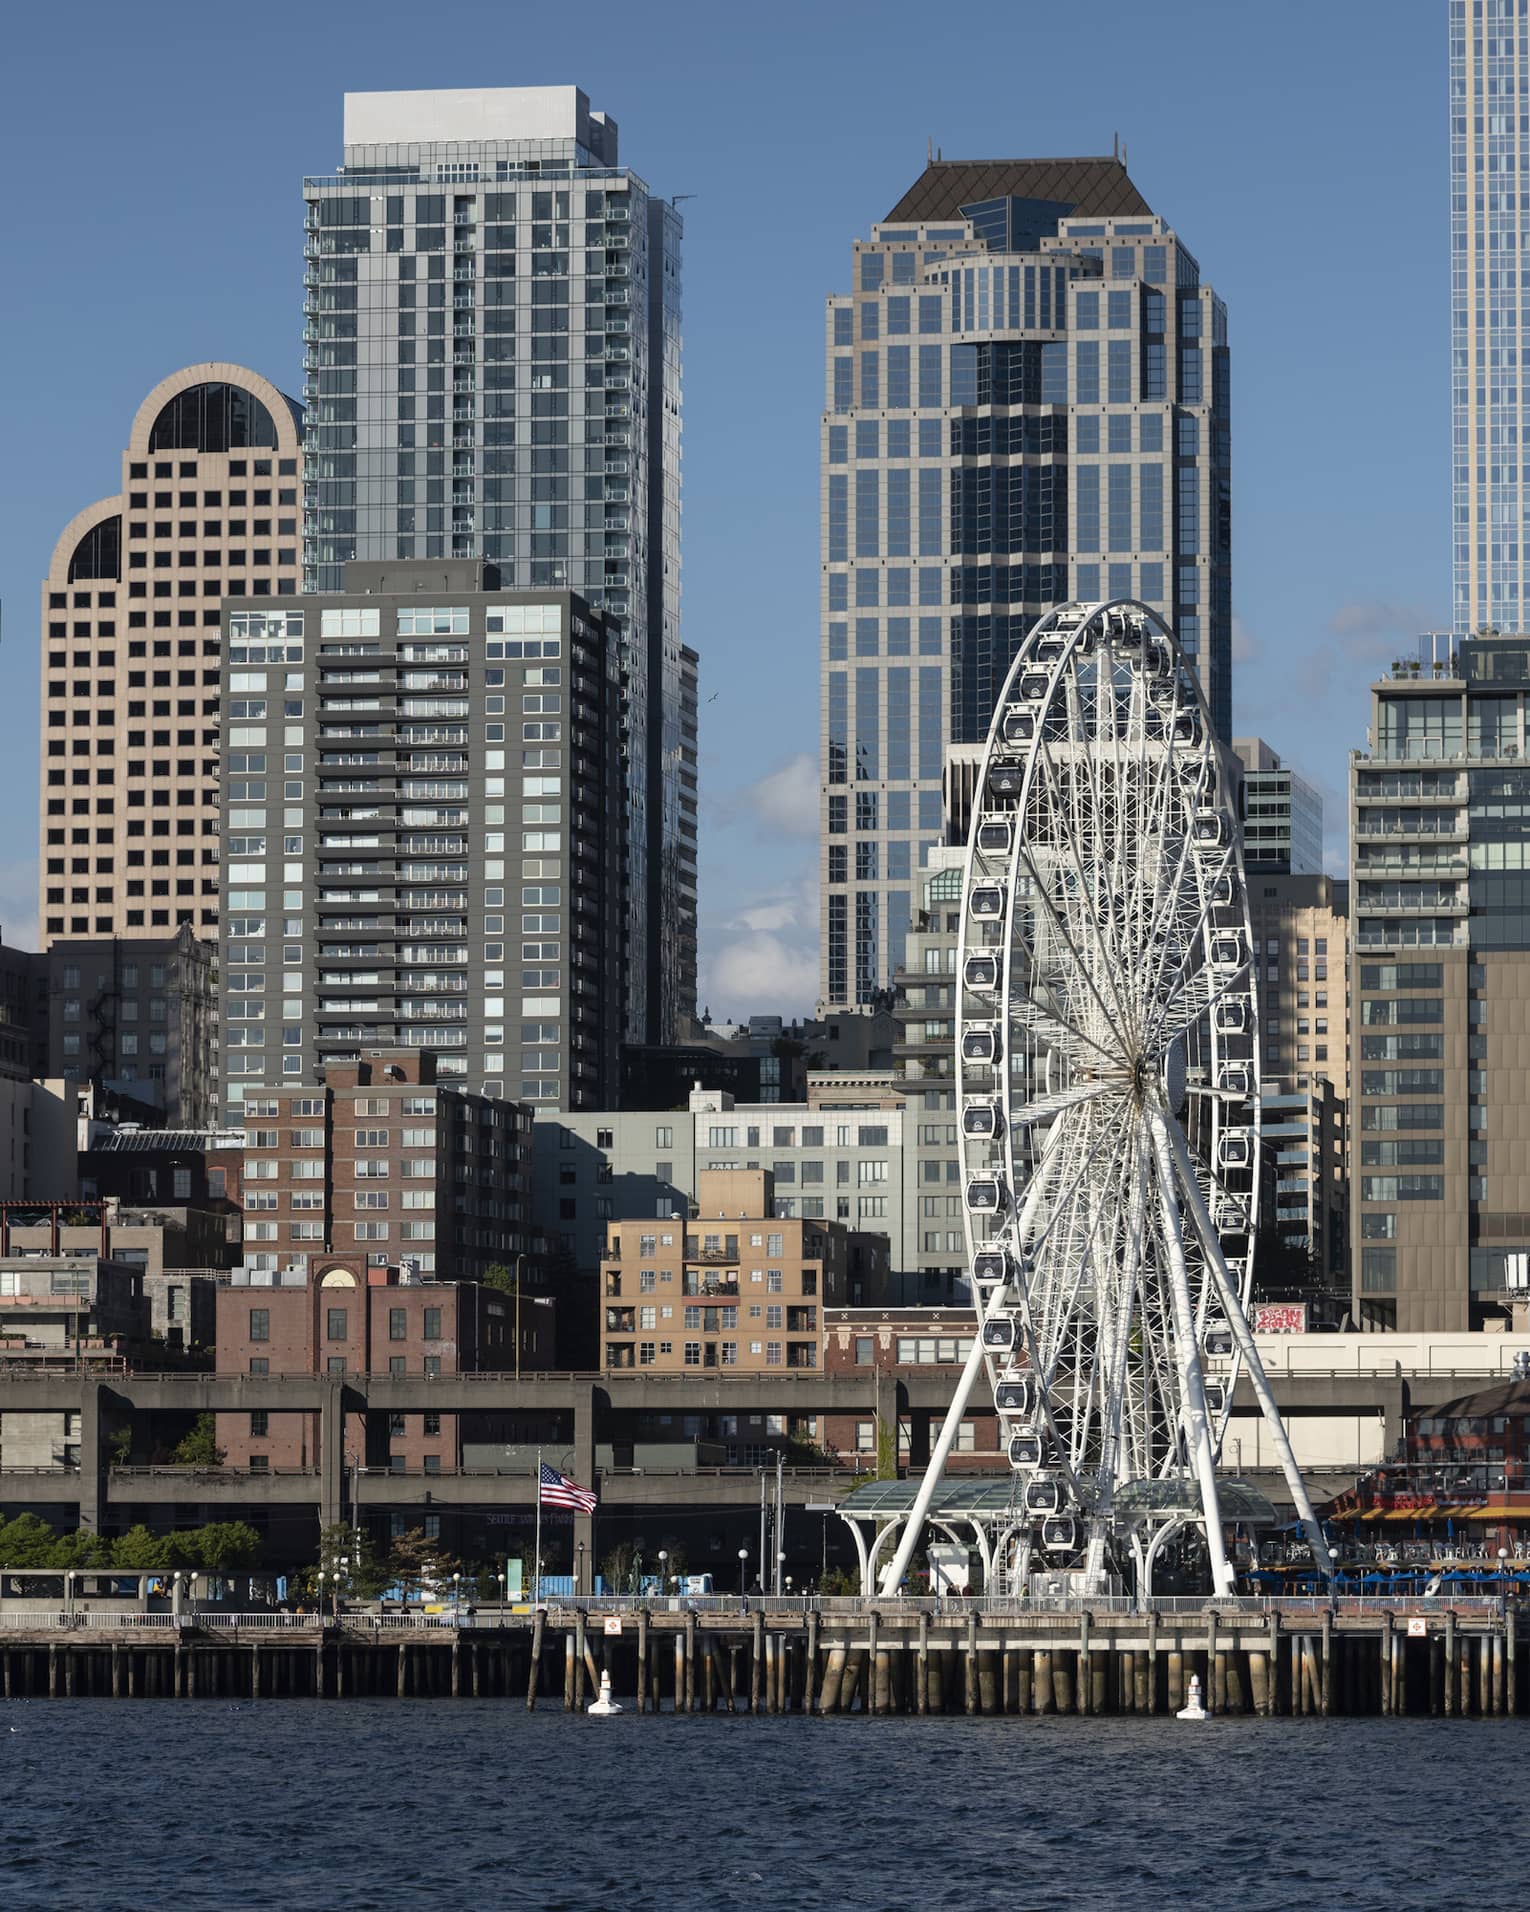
[605,1704]
[1194,1710]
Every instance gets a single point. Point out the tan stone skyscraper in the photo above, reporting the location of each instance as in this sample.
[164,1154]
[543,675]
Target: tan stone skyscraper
[208,509]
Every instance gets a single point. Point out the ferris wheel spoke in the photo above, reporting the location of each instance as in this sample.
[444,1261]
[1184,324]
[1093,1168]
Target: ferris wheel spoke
[1070,844]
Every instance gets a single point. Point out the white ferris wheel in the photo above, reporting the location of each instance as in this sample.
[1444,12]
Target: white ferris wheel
[1108,1106]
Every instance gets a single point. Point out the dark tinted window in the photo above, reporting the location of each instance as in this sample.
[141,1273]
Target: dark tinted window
[212,418]
[99,552]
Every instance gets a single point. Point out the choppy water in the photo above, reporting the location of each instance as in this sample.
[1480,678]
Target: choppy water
[473,1804]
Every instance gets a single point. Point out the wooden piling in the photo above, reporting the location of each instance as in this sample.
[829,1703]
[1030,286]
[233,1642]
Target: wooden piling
[538,1626]
[642,1660]
[810,1664]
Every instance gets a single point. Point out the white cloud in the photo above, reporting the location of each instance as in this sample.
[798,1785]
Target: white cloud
[1246,648]
[762,974]
[784,802]
[762,957]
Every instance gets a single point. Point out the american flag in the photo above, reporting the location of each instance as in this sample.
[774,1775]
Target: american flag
[557,1490]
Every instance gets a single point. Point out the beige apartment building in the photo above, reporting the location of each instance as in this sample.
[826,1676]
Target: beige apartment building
[1301,944]
[208,508]
[735,1287]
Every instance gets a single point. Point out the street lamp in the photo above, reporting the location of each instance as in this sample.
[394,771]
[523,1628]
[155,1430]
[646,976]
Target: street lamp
[579,1569]
[335,1582]
[780,1565]
[663,1563]
[1503,1571]
[501,1579]
[743,1562]
[457,1598]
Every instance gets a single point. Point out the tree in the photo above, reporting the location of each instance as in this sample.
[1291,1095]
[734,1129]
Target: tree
[81,1550]
[419,1565]
[223,1545]
[26,1541]
[200,1447]
[497,1275]
[140,1550]
[365,1572]
[120,1446]
[620,1568]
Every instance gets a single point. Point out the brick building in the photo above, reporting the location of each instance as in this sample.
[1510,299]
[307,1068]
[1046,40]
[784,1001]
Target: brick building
[352,1317]
[903,1339]
[381,1160]
[737,1287]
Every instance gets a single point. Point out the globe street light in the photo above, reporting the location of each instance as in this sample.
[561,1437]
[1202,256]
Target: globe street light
[743,1561]
[780,1564]
[663,1563]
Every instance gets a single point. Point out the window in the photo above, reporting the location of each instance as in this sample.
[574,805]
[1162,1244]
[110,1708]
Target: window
[335,1328]
[398,1324]
[260,1423]
[260,1324]
[432,1324]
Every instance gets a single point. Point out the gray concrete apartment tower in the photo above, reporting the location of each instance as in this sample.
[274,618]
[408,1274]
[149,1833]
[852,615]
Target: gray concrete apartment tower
[424,835]
[493,352]
[1027,400]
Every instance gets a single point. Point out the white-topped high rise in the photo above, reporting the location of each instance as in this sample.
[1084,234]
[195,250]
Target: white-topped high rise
[1489,319]
[492,313]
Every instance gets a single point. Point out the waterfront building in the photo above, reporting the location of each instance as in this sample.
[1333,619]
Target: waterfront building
[840,1156]
[1027,391]
[445,866]
[207,508]
[63,1311]
[1490,330]
[1282,814]
[383,1160]
[493,354]
[905,1341]
[352,1316]
[736,1287]
[1440,979]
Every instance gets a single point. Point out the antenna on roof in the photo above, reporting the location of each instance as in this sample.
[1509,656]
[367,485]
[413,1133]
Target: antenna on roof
[1123,155]
[929,150]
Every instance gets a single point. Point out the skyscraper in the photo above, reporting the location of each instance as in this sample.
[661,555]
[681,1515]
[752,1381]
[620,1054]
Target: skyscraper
[1026,401]
[1282,814]
[1490,328]
[1440,983]
[208,507]
[448,871]
[493,358]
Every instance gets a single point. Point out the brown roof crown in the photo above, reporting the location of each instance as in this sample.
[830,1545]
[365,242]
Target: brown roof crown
[1089,187]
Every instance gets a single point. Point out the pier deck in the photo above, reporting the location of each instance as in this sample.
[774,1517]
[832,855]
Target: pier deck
[879,1657]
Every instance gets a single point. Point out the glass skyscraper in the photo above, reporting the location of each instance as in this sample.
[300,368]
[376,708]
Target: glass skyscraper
[1026,401]
[492,335]
[1490,311]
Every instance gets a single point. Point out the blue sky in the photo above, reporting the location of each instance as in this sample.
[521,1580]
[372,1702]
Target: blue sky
[154,218]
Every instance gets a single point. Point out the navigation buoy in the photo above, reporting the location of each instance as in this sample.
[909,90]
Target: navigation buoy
[1194,1710]
[605,1704]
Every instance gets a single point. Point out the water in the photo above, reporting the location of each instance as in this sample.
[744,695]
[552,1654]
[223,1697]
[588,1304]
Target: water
[473,1804]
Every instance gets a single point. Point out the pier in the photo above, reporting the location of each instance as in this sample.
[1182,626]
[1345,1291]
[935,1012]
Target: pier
[980,1658]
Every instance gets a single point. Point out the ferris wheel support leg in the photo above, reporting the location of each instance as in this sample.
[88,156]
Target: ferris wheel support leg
[1243,1336]
[1190,1360]
[892,1579]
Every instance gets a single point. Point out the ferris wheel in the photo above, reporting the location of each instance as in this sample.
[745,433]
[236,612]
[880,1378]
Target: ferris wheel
[1108,1105]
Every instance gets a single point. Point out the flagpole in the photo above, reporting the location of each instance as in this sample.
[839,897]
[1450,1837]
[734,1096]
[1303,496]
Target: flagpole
[536,1569]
